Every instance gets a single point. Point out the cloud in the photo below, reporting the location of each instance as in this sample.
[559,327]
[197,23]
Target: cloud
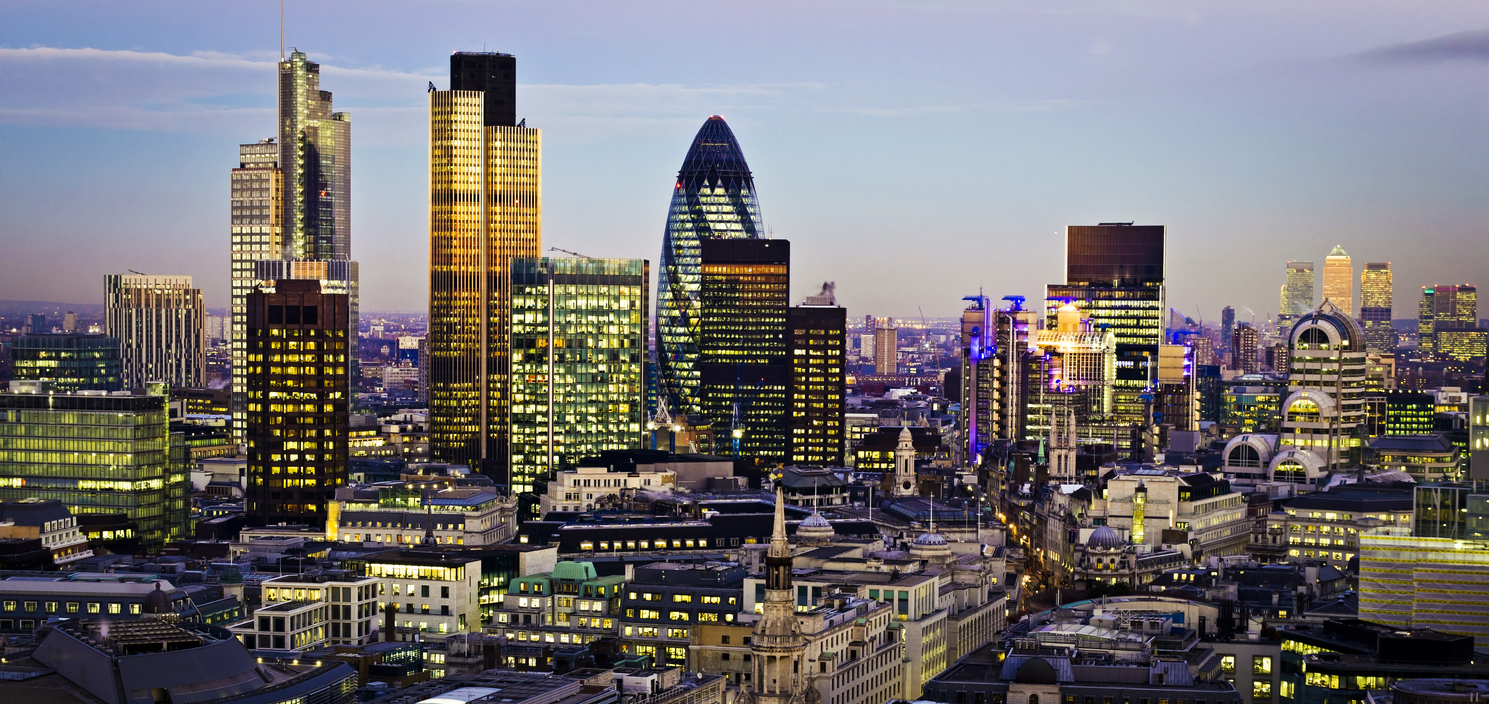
[1460,46]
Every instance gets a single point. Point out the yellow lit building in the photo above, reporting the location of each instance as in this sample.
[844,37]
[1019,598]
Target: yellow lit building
[484,210]
[1339,280]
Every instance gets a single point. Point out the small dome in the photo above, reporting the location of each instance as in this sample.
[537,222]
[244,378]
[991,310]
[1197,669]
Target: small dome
[816,521]
[1036,671]
[157,602]
[231,576]
[930,540]
[1105,538]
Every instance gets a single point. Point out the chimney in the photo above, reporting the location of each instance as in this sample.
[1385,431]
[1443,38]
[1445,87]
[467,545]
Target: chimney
[390,622]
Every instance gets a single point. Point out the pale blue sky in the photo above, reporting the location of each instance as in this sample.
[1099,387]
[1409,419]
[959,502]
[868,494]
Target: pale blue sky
[912,151]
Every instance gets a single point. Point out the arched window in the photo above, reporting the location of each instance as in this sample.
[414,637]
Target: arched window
[1033,699]
[1314,338]
[1244,456]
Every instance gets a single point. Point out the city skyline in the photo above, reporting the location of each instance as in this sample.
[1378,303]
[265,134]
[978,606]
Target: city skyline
[804,119]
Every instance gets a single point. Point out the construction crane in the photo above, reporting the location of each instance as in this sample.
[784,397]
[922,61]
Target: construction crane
[738,408]
[565,251]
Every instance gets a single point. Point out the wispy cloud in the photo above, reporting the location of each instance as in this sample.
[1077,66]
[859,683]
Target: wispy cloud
[1460,46]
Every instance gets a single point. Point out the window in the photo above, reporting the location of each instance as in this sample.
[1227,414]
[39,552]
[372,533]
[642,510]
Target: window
[724,640]
[1228,664]
[1261,689]
[1261,665]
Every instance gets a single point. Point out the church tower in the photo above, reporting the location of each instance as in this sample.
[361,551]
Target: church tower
[778,645]
[905,482]
[1062,447]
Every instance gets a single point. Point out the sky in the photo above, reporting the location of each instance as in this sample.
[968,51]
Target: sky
[913,152]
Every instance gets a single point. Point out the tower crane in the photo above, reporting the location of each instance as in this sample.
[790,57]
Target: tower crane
[565,251]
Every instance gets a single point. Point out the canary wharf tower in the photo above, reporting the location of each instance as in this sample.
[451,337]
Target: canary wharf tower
[714,197]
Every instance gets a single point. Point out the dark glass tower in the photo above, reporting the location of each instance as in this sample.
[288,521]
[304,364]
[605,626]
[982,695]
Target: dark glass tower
[714,196]
[743,347]
[490,73]
[818,338]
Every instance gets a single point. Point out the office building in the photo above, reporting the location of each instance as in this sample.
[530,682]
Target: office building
[97,453]
[1410,581]
[713,197]
[1358,660]
[978,420]
[1410,413]
[570,605]
[257,232]
[1114,276]
[886,348]
[70,362]
[485,208]
[298,401]
[743,346]
[158,322]
[1070,372]
[306,612]
[315,160]
[402,514]
[578,384]
[1297,294]
[429,591]
[819,338]
[1447,309]
[1323,416]
[1339,280]
[1462,345]
[1376,292]
[666,601]
[1244,346]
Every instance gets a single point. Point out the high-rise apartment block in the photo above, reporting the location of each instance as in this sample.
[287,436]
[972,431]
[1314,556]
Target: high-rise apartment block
[818,329]
[713,197]
[298,401]
[1244,358]
[69,362]
[1375,307]
[1114,277]
[886,348]
[1339,280]
[99,453]
[1297,293]
[744,354]
[158,321]
[578,383]
[485,207]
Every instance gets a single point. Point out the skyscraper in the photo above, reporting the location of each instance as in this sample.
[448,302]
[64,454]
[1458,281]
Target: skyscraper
[1339,280]
[1227,329]
[1114,277]
[1445,308]
[298,401]
[818,330]
[1324,413]
[485,208]
[1375,307]
[743,347]
[1297,293]
[714,197]
[886,348]
[291,203]
[579,338]
[1244,357]
[158,321]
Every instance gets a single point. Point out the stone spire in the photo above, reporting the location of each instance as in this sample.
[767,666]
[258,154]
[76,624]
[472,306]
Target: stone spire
[905,481]
[778,646]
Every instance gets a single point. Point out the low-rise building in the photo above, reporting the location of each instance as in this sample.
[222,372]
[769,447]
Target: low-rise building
[1427,457]
[578,489]
[302,612]
[1344,660]
[400,513]
[430,591]
[1326,525]
[29,600]
[571,605]
[50,522]
[666,600]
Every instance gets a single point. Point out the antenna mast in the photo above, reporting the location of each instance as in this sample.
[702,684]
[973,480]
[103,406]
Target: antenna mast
[281,30]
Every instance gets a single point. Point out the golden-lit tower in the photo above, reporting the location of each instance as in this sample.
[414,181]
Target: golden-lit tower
[1375,307]
[1339,280]
[485,205]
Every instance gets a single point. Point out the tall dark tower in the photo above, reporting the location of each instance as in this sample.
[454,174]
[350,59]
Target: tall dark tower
[490,73]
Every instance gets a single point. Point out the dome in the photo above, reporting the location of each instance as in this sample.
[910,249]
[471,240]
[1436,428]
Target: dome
[816,521]
[157,602]
[1036,671]
[815,530]
[1105,538]
[1327,325]
[930,540]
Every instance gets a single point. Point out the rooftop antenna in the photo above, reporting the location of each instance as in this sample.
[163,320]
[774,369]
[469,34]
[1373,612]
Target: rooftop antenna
[281,30]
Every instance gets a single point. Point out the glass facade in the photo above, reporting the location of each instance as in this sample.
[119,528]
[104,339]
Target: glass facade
[298,402]
[714,196]
[315,156]
[159,323]
[1339,280]
[1114,254]
[1375,307]
[103,454]
[819,336]
[579,338]
[1135,317]
[743,348]
[69,362]
[257,219]
[1297,293]
[485,209]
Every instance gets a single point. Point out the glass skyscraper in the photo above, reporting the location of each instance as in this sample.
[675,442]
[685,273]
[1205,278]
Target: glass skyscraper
[819,338]
[485,209]
[714,197]
[1375,307]
[69,362]
[1297,293]
[579,339]
[1339,280]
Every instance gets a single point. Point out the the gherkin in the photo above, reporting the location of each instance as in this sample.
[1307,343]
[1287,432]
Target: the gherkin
[714,197]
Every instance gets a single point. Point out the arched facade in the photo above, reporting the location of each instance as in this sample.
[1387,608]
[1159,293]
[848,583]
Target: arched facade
[1247,457]
[1324,411]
